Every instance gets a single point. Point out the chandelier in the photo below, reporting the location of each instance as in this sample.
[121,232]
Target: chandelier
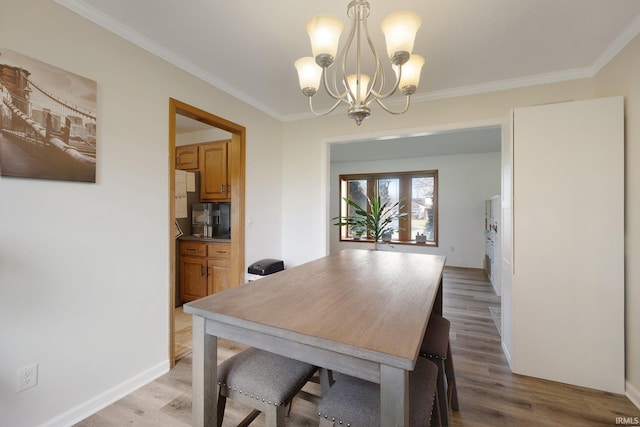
[354,88]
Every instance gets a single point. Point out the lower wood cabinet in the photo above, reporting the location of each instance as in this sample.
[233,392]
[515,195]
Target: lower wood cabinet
[204,269]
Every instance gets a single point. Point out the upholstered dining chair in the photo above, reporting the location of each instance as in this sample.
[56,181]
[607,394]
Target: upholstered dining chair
[262,380]
[353,402]
[436,347]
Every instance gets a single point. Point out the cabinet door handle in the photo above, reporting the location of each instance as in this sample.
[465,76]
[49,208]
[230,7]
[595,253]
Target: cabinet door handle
[221,252]
[191,249]
[222,188]
[202,271]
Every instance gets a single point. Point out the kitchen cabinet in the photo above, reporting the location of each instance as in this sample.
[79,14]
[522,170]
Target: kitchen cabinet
[215,185]
[563,243]
[187,157]
[204,268]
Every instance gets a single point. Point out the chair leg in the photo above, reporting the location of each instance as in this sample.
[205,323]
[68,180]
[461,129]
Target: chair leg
[222,401]
[275,416]
[436,419]
[442,394]
[326,379]
[452,389]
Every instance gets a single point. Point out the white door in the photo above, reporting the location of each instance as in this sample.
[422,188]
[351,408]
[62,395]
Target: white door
[567,292]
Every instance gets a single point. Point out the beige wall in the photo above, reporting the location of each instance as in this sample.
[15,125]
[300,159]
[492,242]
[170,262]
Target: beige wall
[305,161]
[622,77]
[84,268]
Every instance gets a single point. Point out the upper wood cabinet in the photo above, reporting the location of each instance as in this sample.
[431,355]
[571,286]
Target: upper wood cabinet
[215,185]
[187,157]
[211,159]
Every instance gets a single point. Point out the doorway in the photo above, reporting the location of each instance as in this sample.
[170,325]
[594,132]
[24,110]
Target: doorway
[178,111]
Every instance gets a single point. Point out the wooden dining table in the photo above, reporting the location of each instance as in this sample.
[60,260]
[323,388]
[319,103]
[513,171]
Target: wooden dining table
[358,312]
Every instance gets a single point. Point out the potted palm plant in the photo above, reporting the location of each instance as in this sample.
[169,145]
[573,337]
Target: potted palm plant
[376,218]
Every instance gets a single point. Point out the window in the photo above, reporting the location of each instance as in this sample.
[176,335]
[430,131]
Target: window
[417,191]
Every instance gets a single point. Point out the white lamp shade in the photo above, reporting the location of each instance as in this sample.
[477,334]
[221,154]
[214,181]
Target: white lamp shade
[352,81]
[411,72]
[400,30]
[309,73]
[324,32]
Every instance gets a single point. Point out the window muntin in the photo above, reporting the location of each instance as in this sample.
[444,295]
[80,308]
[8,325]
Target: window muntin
[423,207]
[418,190]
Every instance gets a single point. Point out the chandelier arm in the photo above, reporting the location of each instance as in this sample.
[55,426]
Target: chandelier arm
[327,87]
[393,89]
[378,69]
[360,90]
[343,56]
[385,108]
[325,112]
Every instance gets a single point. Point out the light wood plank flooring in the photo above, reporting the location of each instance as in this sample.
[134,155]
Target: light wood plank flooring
[490,395]
[182,342]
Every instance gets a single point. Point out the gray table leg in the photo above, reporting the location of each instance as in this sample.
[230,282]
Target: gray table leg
[205,376]
[394,396]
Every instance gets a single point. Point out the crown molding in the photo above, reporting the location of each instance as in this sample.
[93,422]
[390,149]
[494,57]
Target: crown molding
[102,20]
[623,39]
[481,88]
[106,22]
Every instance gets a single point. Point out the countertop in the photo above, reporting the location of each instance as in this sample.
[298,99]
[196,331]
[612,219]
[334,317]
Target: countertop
[203,239]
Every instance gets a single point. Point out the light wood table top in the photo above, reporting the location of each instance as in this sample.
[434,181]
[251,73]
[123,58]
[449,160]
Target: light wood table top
[360,312]
[375,302]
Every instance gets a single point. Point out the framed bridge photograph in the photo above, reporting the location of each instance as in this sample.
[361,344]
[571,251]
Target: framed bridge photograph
[47,121]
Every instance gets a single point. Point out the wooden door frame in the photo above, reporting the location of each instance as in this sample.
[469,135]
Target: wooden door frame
[236,155]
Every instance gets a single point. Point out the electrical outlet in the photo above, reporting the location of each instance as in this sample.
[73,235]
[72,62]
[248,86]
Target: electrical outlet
[27,377]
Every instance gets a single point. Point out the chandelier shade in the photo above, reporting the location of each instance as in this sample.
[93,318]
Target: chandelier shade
[324,32]
[400,30]
[410,74]
[342,76]
[309,75]
[358,86]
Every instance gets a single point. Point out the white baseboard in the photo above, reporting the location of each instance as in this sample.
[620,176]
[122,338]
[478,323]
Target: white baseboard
[633,394]
[101,401]
[506,354]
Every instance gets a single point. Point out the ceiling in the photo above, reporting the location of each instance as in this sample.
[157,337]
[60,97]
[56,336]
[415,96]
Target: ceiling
[247,48]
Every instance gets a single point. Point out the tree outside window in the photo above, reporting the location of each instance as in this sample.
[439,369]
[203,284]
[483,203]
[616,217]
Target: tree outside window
[418,191]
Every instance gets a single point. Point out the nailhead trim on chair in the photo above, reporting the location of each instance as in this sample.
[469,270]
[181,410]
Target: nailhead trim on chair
[333,419]
[432,356]
[252,396]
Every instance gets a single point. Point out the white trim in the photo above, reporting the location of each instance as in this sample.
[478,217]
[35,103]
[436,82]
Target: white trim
[507,355]
[520,82]
[99,18]
[633,394]
[108,23]
[101,401]
[628,34]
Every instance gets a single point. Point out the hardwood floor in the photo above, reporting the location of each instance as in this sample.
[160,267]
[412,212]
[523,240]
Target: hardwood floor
[182,342]
[490,395]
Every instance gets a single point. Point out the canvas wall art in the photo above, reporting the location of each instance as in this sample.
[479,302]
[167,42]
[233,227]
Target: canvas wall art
[47,119]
